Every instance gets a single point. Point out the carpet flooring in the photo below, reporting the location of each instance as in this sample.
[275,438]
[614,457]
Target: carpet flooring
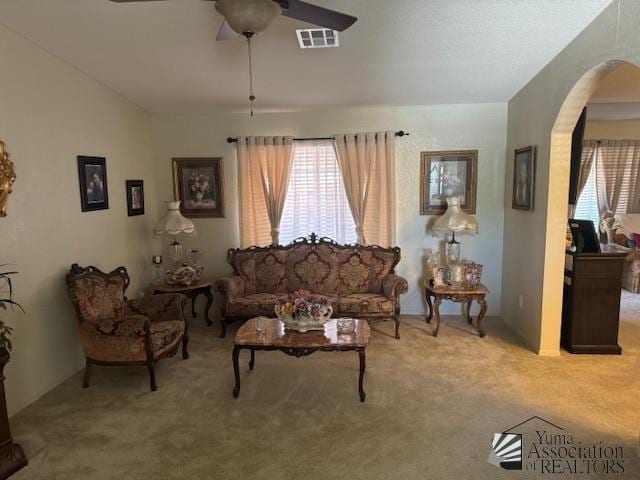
[432,408]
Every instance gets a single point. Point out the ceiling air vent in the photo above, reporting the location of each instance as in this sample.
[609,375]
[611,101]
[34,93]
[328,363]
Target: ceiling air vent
[317,38]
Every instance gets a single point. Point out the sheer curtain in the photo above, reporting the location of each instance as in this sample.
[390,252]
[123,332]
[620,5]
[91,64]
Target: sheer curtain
[367,163]
[618,176]
[316,200]
[264,166]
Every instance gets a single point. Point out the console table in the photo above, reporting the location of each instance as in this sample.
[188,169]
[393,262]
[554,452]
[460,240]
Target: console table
[199,287]
[464,294]
[591,301]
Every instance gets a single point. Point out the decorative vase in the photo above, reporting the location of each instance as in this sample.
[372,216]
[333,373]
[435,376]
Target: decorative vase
[12,457]
[304,312]
[194,262]
[184,276]
[199,196]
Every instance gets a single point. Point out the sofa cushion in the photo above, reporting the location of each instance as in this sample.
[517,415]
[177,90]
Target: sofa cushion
[365,303]
[270,271]
[354,270]
[243,262]
[382,262]
[313,268]
[165,334]
[99,297]
[254,305]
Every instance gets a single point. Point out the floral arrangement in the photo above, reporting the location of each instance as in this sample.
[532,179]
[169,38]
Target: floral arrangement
[303,311]
[302,304]
[184,275]
[199,184]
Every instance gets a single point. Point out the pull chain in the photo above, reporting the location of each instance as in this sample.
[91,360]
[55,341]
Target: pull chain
[252,97]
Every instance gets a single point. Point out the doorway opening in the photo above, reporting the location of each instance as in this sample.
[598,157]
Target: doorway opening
[611,93]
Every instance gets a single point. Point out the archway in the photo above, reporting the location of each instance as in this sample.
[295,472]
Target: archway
[557,200]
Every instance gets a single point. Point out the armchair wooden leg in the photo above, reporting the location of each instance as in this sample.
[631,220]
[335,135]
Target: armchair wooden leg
[396,318]
[152,376]
[185,342]
[87,374]
[223,323]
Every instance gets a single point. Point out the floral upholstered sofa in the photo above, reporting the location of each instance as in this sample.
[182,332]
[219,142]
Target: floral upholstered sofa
[619,230]
[358,281]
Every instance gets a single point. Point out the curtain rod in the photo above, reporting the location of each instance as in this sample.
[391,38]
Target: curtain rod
[400,133]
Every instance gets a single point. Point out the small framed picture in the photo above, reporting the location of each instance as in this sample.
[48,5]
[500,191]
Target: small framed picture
[448,174]
[198,185]
[92,174]
[135,197]
[524,176]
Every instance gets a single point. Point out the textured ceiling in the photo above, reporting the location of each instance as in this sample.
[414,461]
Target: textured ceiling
[163,56]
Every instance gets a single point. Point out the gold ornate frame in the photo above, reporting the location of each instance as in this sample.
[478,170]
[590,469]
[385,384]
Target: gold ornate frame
[7,178]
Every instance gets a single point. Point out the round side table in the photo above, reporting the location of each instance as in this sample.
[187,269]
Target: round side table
[199,287]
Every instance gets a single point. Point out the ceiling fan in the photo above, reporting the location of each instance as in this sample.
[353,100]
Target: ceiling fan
[251,17]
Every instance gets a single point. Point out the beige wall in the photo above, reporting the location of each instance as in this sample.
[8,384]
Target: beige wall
[50,114]
[612,130]
[533,258]
[446,127]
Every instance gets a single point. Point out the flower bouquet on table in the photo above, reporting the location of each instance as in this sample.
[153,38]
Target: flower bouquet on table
[303,311]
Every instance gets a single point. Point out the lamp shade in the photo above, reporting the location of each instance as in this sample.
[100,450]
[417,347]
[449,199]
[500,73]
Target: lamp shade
[174,223]
[455,220]
[248,16]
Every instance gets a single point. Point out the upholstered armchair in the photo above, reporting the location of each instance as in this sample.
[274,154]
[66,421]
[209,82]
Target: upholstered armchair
[117,331]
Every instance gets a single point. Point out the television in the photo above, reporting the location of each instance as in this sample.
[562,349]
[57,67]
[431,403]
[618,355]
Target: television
[584,236]
[576,156]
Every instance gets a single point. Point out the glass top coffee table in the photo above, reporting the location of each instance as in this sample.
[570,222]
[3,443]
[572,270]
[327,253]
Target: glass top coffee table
[273,336]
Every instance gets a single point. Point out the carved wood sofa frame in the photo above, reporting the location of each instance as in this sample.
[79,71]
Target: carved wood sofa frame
[313,239]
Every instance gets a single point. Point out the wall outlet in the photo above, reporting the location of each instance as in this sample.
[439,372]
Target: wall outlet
[520,300]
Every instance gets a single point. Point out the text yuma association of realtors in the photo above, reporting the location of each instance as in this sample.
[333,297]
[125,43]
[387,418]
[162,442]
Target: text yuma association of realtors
[555,453]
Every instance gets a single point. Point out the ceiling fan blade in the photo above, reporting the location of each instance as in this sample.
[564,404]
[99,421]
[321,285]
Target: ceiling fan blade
[226,32]
[320,16]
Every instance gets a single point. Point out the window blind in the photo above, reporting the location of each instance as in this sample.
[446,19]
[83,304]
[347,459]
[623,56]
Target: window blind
[316,200]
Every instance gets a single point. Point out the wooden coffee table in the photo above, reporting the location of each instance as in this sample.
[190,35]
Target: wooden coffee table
[298,344]
[464,294]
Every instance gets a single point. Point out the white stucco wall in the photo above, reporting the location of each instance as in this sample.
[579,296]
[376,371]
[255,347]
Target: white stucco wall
[533,257]
[442,127]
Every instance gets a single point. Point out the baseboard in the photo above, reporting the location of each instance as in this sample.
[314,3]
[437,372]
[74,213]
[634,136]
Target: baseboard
[549,352]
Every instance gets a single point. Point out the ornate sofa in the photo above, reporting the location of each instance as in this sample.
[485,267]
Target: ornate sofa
[620,237]
[358,280]
[117,331]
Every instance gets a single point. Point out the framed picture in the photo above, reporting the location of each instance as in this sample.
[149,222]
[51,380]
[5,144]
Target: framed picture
[135,197]
[198,184]
[92,173]
[448,174]
[524,176]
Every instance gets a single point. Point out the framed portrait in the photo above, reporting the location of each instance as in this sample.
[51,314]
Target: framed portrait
[198,185]
[524,176]
[92,174]
[135,197]
[448,174]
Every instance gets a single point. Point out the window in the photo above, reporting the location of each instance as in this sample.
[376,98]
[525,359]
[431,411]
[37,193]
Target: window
[316,200]
[587,206]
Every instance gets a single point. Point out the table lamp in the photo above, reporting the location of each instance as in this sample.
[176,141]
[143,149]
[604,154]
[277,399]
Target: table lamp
[175,225]
[455,221]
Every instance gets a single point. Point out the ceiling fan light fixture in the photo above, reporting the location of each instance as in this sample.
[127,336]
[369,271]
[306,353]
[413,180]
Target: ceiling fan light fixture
[248,16]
